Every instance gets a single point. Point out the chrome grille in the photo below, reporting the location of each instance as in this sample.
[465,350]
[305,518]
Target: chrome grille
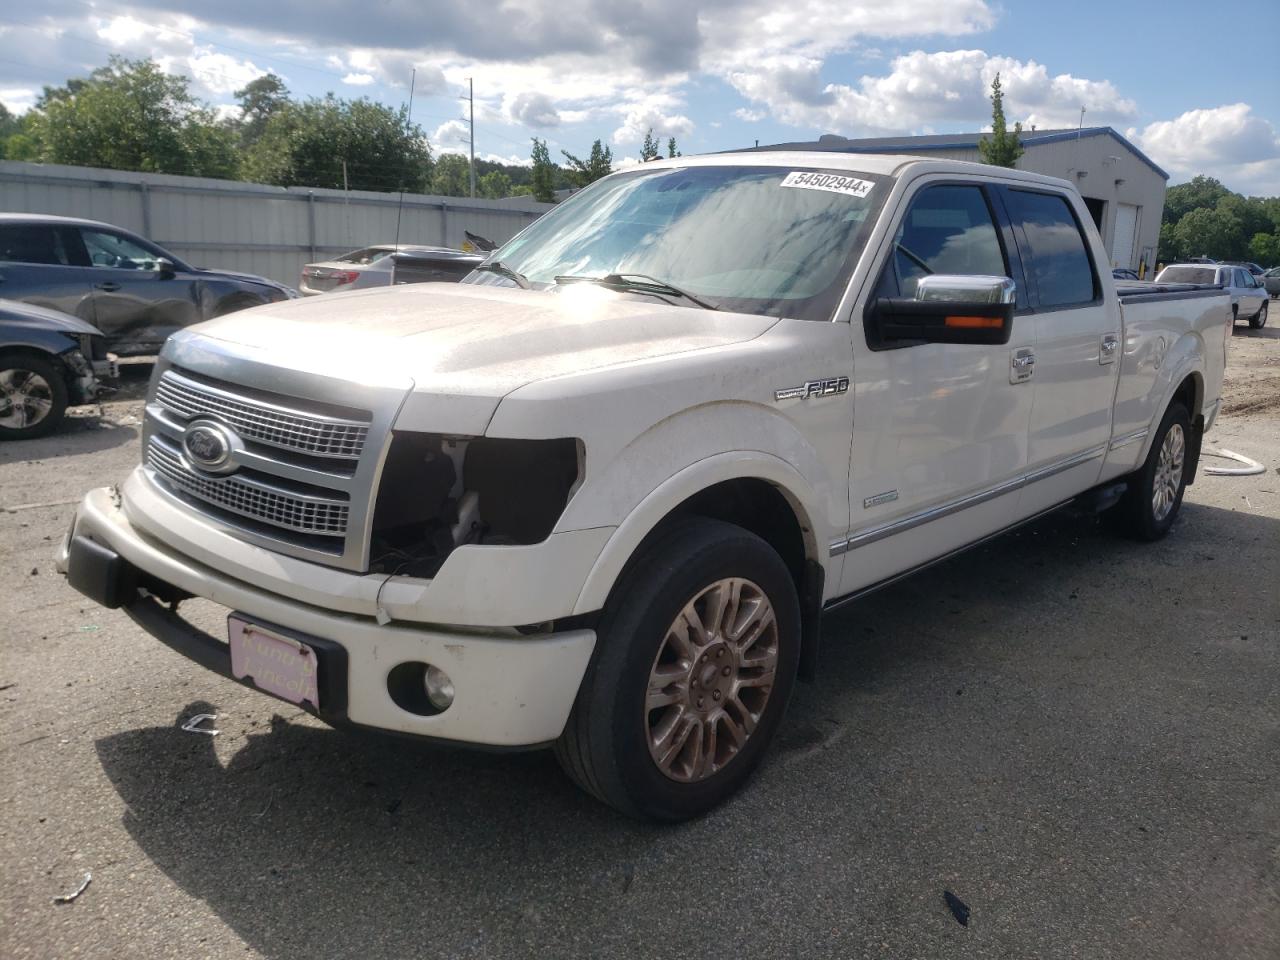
[249,497]
[262,421]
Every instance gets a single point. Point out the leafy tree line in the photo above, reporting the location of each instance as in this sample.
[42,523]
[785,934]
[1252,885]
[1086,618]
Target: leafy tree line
[1205,219]
[131,115]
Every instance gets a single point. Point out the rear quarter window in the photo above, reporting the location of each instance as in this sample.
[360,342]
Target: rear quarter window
[1060,262]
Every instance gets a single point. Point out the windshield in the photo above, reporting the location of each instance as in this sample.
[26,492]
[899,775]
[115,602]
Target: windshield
[770,240]
[366,256]
[1186,275]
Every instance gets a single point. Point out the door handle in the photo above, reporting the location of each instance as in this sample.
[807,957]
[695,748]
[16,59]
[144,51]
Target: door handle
[1107,351]
[1022,365]
[110,286]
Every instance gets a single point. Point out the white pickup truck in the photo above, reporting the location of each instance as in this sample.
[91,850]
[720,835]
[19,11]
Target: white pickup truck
[599,495]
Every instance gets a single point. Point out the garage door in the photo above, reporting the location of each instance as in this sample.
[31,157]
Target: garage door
[1122,238]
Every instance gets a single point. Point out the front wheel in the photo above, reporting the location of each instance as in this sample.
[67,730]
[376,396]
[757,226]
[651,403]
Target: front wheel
[695,661]
[1259,319]
[33,396]
[1154,495]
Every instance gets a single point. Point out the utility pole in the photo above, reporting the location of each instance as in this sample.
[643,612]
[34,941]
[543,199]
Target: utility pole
[471,97]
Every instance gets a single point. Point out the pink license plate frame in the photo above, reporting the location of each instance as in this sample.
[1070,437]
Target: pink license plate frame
[274,663]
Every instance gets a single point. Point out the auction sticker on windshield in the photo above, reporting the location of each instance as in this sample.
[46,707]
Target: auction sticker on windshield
[831,182]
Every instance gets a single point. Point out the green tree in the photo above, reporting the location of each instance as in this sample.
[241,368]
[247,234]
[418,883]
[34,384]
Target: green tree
[671,148]
[451,176]
[130,115]
[649,150]
[260,100]
[1264,248]
[495,185]
[1002,148]
[542,176]
[598,164]
[1200,191]
[305,144]
[1207,232]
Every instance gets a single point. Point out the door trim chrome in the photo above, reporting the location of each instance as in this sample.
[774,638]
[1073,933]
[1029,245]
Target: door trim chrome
[1129,438]
[894,527]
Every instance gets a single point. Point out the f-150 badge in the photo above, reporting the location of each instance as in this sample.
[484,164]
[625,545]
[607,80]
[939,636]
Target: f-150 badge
[814,388]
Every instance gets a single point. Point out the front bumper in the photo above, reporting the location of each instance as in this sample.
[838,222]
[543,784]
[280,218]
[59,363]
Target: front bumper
[511,691]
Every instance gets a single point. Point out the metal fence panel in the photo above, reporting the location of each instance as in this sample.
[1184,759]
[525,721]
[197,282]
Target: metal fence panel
[271,231]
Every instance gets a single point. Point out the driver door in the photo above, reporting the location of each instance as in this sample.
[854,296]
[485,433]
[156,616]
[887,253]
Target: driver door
[136,304]
[940,430]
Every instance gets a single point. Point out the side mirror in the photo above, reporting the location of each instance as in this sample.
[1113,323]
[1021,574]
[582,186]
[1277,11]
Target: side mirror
[948,309]
[166,269]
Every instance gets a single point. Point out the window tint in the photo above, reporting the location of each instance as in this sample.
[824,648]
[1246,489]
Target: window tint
[32,243]
[1187,275]
[1059,259]
[948,229]
[113,250]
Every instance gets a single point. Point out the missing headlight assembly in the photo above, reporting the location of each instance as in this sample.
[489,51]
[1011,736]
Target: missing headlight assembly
[438,493]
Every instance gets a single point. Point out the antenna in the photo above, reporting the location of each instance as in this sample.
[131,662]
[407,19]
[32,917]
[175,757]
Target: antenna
[408,125]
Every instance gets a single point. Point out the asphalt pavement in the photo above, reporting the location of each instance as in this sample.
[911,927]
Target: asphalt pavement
[1075,735]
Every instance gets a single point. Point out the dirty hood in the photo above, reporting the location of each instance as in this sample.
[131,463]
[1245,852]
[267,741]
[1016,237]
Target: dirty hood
[470,339]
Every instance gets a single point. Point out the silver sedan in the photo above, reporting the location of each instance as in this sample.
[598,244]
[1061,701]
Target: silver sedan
[386,264]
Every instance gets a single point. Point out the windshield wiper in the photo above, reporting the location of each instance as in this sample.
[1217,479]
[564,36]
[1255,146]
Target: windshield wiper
[500,268]
[640,283]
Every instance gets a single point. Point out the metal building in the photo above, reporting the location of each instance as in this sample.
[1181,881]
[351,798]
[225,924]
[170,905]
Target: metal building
[1122,187]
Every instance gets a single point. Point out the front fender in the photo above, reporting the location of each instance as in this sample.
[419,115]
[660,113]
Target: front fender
[14,336]
[678,488]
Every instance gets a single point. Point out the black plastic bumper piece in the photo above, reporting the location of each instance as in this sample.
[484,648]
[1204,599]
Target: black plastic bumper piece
[100,573]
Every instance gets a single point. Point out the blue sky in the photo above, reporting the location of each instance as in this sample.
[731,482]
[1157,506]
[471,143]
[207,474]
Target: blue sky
[1181,80]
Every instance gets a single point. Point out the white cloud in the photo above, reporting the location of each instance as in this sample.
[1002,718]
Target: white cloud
[452,136]
[221,73]
[358,79]
[531,109]
[18,99]
[922,89]
[638,119]
[749,116]
[1227,142]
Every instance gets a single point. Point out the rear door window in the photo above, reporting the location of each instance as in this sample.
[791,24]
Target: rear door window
[1060,262]
[33,243]
[948,229]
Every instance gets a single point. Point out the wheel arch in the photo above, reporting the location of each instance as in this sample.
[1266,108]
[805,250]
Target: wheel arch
[758,492]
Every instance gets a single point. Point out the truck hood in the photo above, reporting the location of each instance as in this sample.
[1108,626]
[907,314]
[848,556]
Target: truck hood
[470,344]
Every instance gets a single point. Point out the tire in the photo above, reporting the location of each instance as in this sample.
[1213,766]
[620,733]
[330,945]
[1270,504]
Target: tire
[614,745]
[1235,314]
[1259,319]
[33,396]
[1140,514]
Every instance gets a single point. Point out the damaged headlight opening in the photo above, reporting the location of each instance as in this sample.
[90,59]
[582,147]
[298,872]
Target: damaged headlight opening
[438,493]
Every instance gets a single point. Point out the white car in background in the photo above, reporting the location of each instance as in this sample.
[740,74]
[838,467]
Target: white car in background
[387,264]
[1248,293]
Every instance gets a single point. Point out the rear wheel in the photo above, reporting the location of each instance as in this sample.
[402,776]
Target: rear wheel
[696,658]
[1259,319]
[1154,495]
[33,396]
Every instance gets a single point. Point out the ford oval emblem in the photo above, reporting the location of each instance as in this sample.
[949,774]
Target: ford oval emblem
[209,446]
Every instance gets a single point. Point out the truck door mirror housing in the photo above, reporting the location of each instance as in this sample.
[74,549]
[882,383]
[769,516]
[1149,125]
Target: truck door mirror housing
[948,309]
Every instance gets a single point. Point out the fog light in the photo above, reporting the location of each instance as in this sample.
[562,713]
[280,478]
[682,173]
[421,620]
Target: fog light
[439,688]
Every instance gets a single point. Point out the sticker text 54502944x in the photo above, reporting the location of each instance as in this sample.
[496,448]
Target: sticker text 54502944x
[830,182]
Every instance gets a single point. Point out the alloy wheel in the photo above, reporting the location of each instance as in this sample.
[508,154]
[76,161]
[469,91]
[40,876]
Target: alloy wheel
[711,680]
[25,398]
[1168,475]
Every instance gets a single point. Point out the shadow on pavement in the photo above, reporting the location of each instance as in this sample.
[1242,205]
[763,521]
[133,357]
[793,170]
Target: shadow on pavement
[1039,725]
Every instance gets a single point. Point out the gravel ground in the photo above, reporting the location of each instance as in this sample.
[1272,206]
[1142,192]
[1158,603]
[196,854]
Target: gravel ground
[1078,736]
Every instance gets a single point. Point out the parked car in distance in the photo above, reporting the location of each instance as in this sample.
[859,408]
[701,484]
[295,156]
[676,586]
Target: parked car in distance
[1249,265]
[49,361]
[134,291]
[1124,273]
[599,494]
[1248,296]
[386,264]
[1271,280]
